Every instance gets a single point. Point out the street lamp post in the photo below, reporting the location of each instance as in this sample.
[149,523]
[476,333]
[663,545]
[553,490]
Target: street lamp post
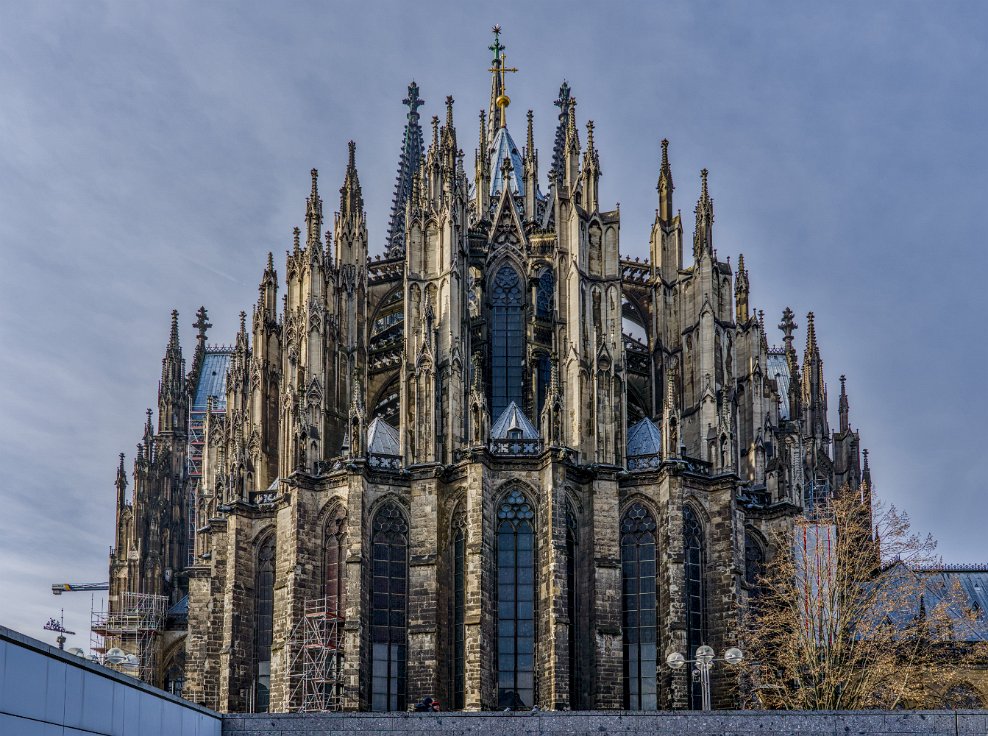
[704,662]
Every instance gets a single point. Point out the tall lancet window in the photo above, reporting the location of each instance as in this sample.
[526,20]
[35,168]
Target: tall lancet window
[639,608]
[696,602]
[458,548]
[334,580]
[545,294]
[572,606]
[389,608]
[334,562]
[507,340]
[515,603]
[263,623]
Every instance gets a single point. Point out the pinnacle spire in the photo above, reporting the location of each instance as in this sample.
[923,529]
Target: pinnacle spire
[121,482]
[313,212]
[788,325]
[591,152]
[351,198]
[812,350]
[572,136]
[171,390]
[412,152]
[665,186]
[202,319]
[559,146]
[741,292]
[703,235]
[173,337]
[844,406]
[529,136]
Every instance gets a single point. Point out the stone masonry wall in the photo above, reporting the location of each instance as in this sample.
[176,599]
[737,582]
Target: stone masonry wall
[777,723]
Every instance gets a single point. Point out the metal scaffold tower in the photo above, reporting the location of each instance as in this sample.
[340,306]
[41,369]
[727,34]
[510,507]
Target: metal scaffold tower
[134,627]
[317,659]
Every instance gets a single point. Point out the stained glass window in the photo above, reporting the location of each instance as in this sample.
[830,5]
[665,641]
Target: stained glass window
[389,609]
[545,295]
[507,340]
[571,607]
[544,378]
[696,604]
[459,548]
[263,623]
[754,561]
[515,603]
[639,608]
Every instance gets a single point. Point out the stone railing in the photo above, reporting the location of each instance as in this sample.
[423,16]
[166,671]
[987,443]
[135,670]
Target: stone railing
[379,461]
[602,723]
[503,448]
[644,462]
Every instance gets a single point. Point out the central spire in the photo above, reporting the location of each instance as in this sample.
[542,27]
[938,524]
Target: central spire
[497,117]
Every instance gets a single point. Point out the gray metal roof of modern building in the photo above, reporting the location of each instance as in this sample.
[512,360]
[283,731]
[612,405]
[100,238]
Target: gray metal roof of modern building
[644,438]
[971,583]
[212,380]
[513,418]
[778,369]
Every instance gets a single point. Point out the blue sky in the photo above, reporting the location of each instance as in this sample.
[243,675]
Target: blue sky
[150,157]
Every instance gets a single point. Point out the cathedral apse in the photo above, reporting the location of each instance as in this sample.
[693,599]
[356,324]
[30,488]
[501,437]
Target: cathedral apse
[495,462]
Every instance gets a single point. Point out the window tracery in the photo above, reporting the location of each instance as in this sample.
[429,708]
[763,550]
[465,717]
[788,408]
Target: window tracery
[389,609]
[639,608]
[515,603]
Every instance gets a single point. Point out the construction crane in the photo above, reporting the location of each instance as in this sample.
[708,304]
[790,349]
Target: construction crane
[59,588]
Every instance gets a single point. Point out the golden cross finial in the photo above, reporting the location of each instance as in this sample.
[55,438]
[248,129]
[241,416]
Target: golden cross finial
[502,100]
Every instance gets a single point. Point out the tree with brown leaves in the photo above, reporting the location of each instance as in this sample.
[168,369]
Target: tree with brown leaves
[845,618]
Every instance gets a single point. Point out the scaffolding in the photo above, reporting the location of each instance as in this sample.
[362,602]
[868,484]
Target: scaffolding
[134,628]
[317,659]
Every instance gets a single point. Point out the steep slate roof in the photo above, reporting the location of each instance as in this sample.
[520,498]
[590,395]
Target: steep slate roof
[513,418]
[504,147]
[644,438]
[778,369]
[212,380]
[382,438]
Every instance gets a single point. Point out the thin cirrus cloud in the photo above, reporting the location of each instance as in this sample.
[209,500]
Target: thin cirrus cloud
[151,157]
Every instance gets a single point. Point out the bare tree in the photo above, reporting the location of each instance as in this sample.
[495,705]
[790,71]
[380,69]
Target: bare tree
[846,619]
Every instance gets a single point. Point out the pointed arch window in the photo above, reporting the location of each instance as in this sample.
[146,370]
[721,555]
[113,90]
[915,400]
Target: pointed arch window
[263,622]
[544,367]
[754,562]
[458,547]
[639,608]
[515,603]
[696,603]
[545,294]
[334,563]
[389,608]
[507,340]
[572,610]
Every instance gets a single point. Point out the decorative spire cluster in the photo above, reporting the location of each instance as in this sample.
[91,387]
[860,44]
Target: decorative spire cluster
[741,292]
[351,198]
[559,145]
[703,241]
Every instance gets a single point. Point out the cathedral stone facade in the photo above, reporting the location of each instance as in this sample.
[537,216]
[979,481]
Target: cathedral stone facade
[498,464]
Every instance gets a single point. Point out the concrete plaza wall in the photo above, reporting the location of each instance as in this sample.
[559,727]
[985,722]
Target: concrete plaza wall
[733,723]
[46,692]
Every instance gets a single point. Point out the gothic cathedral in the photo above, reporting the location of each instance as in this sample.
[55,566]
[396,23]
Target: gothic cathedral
[497,464]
